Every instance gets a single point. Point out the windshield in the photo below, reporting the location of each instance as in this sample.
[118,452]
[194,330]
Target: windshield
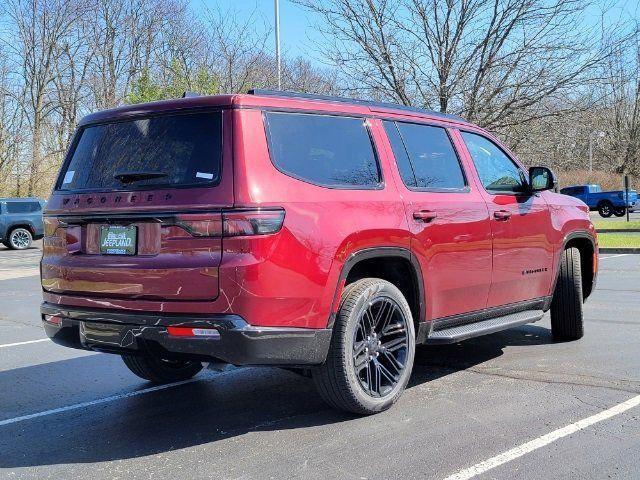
[163,151]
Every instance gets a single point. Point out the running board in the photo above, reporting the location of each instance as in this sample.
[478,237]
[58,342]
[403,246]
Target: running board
[470,330]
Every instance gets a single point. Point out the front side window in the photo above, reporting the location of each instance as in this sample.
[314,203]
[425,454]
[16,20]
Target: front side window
[425,156]
[324,150]
[155,152]
[497,172]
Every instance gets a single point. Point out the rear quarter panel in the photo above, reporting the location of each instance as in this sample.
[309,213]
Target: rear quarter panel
[291,278]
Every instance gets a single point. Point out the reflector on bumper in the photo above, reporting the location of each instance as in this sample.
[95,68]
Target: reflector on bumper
[211,333]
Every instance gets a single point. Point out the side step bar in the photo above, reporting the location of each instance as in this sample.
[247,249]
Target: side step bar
[462,332]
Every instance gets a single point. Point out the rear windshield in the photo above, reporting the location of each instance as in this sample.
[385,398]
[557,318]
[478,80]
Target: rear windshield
[165,151]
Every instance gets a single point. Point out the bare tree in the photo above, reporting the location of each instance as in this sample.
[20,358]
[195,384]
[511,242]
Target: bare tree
[496,62]
[623,105]
[11,136]
[41,26]
[237,50]
[126,33]
[72,68]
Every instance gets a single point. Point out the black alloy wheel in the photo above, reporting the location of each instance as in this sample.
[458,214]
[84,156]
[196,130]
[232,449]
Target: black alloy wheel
[372,349]
[380,346]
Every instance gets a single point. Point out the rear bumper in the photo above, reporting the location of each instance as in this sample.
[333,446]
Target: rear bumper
[238,342]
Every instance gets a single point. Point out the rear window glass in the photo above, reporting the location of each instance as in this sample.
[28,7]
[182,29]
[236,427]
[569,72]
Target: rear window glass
[164,151]
[23,207]
[324,150]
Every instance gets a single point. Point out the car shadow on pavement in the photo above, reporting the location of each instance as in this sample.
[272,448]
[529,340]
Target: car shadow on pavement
[213,409]
[460,356]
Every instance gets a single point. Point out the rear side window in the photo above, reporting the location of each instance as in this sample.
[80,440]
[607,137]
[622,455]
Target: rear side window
[425,156]
[155,152]
[497,172]
[324,150]
[23,207]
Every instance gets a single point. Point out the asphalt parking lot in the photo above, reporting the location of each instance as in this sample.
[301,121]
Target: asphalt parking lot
[633,216]
[72,414]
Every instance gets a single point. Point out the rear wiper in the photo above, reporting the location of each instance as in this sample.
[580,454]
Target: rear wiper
[130,177]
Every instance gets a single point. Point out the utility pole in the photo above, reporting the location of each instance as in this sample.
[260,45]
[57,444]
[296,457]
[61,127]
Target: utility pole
[278,62]
[590,153]
[591,135]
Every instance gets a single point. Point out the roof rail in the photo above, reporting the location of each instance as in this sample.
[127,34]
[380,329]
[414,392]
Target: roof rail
[330,98]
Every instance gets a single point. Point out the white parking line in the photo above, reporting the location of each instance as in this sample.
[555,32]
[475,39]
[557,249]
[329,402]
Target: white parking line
[615,256]
[112,398]
[99,401]
[23,343]
[544,440]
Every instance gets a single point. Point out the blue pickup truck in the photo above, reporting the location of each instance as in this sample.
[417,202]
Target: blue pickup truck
[606,203]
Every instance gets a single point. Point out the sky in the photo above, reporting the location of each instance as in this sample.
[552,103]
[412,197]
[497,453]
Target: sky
[299,37]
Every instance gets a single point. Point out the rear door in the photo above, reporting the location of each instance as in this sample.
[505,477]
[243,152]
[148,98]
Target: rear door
[447,216]
[136,212]
[520,225]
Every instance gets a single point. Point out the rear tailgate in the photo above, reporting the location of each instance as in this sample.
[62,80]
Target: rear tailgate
[137,210]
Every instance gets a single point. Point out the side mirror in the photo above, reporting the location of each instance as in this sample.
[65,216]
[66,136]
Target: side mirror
[542,178]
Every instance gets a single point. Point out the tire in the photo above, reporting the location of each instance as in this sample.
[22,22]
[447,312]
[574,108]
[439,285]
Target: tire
[566,306]
[339,382]
[605,209]
[157,370]
[619,212]
[19,239]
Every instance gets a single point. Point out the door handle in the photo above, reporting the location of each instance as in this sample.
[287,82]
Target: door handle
[424,215]
[501,215]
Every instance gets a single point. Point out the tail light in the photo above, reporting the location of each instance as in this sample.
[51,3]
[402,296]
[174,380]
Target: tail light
[252,222]
[51,224]
[201,224]
[233,223]
[55,237]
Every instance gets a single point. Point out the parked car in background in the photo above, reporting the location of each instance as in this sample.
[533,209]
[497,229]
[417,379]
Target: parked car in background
[20,222]
[308,232]
[606,203]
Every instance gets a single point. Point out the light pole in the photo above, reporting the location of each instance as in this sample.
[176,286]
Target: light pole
[277,13]
[597,133]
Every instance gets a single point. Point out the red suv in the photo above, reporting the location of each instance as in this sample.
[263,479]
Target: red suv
[310,232]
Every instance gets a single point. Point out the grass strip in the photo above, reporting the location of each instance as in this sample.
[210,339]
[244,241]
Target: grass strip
[616,224]
[619,240]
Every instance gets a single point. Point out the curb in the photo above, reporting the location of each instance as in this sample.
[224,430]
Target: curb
[619,250]
[618,230]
